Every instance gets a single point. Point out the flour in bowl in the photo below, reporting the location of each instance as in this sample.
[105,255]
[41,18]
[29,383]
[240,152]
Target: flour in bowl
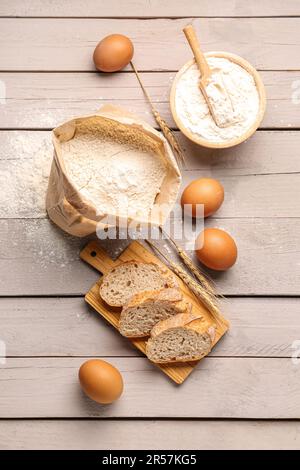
[193,111]
[116,177]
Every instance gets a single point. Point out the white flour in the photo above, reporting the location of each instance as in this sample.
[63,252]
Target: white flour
[192,109]
[116,178]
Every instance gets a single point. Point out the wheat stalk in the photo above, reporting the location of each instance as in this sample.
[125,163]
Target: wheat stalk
[201,293]
[178,152]
[206,283]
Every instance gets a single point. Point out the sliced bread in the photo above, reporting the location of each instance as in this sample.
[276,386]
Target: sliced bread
[132,277]
[147,308]
[183,337]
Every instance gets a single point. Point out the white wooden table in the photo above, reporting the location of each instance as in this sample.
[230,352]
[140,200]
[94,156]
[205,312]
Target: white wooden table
[246,394]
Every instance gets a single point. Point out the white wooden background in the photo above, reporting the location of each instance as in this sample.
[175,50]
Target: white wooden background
[246,394]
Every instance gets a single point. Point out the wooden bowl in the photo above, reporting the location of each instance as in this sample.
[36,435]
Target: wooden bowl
[262,103]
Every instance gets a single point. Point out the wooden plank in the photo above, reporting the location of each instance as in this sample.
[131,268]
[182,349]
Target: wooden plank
[139,434]
[260,327]
[218,388]
[263,246]
[57,327]
[268,152]
[25,160]
[43,100]
[146,9]
[36,258]
[268,43]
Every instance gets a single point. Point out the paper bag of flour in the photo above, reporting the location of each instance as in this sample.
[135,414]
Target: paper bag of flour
[110,168]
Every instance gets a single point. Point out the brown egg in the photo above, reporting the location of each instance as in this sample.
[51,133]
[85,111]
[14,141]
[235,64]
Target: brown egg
[216,249]
[206,191]
[101,381]
[113,53]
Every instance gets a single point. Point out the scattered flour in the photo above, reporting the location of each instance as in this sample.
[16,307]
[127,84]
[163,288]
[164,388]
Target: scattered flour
[117,178]
[193,111]
[25,161]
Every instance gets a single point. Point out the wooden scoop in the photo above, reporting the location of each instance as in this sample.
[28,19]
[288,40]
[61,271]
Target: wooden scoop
[223,117]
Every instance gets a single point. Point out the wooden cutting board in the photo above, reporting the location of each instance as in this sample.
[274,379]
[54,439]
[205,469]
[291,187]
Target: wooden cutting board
[96,257]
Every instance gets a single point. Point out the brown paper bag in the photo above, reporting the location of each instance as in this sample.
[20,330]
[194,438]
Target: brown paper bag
[65,205]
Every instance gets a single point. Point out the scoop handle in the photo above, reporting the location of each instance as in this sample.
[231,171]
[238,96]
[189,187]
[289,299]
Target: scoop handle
[190,34]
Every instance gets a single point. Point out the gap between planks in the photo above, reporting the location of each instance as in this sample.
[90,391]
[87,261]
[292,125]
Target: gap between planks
[173,129]
[135,356]
[149,418]
[145,18]
[81,296]
[144,71]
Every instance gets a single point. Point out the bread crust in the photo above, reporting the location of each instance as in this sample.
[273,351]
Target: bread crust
[172,296]
[166,275]
[189,321]
[180,320]
[170,293]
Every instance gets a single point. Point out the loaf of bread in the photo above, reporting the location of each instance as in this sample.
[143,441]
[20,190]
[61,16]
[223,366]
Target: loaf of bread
[147,308]
[132,277]
[183,337]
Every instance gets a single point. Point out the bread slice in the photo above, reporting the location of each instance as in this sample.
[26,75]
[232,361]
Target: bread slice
[147,308]
[184,337]
[132,277]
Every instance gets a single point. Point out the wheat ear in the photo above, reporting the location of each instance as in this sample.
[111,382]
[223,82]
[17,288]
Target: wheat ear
[178,152]
[200,292]
[206,283]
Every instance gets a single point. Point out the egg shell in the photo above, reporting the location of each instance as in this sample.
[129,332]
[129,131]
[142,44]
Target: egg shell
[216,249]
[206,191]
[101,381]
[113,53]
